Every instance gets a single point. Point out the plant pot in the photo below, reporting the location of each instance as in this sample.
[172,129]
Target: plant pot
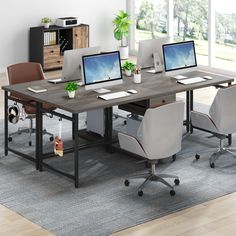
[71,94]
[137,78]
[124,52]
[46,25]
[128,72]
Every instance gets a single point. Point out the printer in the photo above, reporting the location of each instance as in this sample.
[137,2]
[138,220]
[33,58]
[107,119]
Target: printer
[67,21]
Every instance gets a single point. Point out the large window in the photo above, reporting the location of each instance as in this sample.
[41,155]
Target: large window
[210,23]
[190,23]
[150,19]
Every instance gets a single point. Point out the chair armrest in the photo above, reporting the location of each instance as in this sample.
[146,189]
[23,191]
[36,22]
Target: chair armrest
[130,144]
[203,121]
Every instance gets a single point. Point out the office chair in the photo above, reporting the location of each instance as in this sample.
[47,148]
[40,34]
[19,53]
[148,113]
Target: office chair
[221,121]
[21,73]
[159,136]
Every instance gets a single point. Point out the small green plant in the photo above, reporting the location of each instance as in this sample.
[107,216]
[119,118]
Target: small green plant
[128,66]
[71,86]
[46,20]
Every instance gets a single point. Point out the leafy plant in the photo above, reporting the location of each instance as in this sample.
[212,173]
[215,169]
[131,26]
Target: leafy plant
[71,86]
[128,66]
[45,20]
[122,24]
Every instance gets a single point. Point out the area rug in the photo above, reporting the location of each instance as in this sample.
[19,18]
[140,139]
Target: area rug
[103,205]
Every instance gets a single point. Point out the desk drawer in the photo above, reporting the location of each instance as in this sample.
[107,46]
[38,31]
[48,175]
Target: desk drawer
[158,101]
[51,51]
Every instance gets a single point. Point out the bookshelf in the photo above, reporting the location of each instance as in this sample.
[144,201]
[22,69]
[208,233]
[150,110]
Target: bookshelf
[47,45]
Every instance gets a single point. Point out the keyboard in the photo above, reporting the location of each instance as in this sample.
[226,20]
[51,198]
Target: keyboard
[115,95]
[191,80]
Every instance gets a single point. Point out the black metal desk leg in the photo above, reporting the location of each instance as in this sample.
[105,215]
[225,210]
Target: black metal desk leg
[187,111]
[39,137]
[108,128]
[229,135]
[75,128]
[191,108]
[6,123]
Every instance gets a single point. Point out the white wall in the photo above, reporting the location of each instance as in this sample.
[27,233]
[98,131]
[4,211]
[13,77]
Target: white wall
[17,16]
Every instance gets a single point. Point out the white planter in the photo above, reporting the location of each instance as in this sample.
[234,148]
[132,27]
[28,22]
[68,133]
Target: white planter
[137,78]
[71,94]
[124,52]
[128,72]
[46,25]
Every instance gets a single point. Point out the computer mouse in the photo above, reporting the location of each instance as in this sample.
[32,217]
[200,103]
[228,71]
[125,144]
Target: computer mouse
[207,77]
[132,91]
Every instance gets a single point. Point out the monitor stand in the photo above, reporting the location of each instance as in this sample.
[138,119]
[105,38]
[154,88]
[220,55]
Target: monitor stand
[158,68]
[102,90]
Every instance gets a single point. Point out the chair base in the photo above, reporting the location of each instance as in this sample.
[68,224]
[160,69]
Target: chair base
[29,131]
[217,152]
[151,176]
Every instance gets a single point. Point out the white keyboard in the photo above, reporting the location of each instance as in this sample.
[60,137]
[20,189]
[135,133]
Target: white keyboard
[115,95]
[191,80]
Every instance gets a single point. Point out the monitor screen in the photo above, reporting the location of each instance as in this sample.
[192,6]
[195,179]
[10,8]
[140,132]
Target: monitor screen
[179,55]
[102,68]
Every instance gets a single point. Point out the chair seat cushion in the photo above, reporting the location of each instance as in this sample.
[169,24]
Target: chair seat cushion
[32,110]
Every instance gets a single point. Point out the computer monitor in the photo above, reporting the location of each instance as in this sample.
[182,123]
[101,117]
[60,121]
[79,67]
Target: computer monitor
[102,70]
[178,56]
[72,62]
[150,53]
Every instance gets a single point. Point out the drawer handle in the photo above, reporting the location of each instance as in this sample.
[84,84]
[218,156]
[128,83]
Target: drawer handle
[76,35]
[52,51]
[163,101]
[58,61]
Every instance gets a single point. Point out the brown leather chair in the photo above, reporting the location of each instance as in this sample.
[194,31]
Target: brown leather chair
[21,73]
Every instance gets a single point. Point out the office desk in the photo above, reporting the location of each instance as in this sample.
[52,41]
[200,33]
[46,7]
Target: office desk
[152,86]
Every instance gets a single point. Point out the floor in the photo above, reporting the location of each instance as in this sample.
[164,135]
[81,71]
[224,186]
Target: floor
[215,218]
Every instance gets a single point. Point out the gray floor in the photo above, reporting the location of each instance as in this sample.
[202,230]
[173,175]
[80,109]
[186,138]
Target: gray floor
[102,204]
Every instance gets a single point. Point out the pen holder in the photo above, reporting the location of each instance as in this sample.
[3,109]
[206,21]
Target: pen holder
[137,78]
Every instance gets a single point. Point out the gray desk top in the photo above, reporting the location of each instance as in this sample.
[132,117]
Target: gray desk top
[152,85]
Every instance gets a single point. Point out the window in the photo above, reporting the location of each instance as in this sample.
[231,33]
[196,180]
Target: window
[225,35]
[190,23]
[150,19]
[210,23]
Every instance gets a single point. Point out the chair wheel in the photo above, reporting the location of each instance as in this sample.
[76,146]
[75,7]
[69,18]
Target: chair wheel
[197,156]
[30,143]
[212,165]
[177,181]
[174,157]
[140,193]
[9,139]
[51,139]
[172,192]
[126,182]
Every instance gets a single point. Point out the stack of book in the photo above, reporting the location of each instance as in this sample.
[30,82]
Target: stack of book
[50,38]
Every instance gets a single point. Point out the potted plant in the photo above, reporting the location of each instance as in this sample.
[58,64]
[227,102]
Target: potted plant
[128,67]
[71,88]
[121,32]
[137,75]
[46,22]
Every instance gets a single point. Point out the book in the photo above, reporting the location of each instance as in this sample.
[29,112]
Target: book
[37,89]
[55,81]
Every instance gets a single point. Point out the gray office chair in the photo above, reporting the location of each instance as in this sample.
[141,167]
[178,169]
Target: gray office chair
[159,136]
[221,121]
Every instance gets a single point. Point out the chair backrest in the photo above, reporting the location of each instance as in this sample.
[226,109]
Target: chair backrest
[24,72]
[223,110]
[160,132]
